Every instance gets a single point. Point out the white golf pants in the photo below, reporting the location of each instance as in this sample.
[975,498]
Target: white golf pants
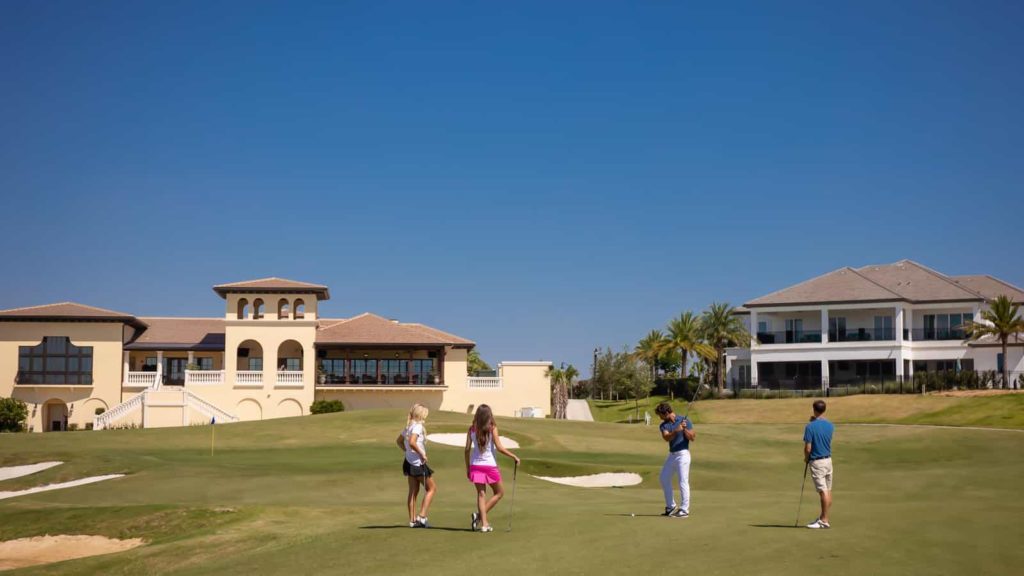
[677,463]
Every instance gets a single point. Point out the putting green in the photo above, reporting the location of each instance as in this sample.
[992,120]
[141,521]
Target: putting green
[324,495]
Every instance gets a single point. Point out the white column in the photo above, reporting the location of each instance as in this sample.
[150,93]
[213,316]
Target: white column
[159,369]
[753,371]
[191,357]
[824,374]
[127,366]
[898,326]
[753,328]
[908,321]
[824,324]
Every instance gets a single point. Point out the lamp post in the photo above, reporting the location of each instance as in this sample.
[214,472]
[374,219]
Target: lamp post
[593,374]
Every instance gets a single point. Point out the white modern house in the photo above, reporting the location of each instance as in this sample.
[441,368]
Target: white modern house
[879,322]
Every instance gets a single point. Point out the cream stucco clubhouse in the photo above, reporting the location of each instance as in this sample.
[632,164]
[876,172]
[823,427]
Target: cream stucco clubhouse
[271,355]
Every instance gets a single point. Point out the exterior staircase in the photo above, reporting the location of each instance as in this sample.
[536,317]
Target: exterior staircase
[174,399]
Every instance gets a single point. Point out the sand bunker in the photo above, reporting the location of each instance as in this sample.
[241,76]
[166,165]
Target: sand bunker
[45,549]
[603,480]
[460,440]
[19,471]
[58,486]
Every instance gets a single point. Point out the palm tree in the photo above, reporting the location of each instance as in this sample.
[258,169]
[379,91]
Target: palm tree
[999,321]
[476,364]
[569,375]
[557,376]
[650,349]
[721,329]
[684,333]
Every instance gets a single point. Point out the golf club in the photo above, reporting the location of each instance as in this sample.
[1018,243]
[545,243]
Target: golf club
[512,505]
[692,400]
[802,484]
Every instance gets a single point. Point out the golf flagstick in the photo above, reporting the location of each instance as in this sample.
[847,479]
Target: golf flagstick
[802,484]
[512,506]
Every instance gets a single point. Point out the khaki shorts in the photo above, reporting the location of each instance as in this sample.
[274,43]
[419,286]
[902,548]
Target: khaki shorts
[821,473]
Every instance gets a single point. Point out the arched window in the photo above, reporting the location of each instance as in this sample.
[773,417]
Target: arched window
[257,309]
[243,309]
[282,309]
[300,309]
[250,356]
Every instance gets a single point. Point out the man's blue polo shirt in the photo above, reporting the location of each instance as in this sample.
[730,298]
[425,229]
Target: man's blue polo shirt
[679,441]
[819,434]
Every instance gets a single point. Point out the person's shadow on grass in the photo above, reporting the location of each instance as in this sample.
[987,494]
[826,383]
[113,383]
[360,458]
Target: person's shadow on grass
[773,526]
[406,527]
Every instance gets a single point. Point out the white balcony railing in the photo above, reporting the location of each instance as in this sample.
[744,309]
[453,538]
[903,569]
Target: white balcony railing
[141,379]
[249,378]
[483,382]
[289,378]
[204,377]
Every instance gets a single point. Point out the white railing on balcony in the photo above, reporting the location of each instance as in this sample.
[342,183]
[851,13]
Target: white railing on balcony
[483,382]
[120,411]
[141,379]
[249,378]
[204,377]
[289,378]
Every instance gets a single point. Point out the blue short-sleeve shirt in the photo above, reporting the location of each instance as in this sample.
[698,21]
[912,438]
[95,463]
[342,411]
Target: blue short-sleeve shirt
[679,441]
[819,434]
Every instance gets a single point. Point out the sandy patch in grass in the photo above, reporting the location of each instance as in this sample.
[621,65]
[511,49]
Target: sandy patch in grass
[45,549]
[18,471]
[58,486]
[450,439]
[603,480]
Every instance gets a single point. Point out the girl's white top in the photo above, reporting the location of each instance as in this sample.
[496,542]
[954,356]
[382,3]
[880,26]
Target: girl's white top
[421,441]
[483,457]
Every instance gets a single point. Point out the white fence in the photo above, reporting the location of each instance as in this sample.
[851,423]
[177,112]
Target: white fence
[249,378]
[141,379]
[204,377]
[289,378]
[483,382]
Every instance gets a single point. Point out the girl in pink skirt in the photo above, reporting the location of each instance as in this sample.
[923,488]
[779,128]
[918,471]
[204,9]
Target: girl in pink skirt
[482,441]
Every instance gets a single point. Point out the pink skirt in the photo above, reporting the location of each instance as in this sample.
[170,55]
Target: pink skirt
[484,474]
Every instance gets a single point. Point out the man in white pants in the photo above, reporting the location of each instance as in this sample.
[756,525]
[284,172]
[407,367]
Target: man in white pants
[678,432]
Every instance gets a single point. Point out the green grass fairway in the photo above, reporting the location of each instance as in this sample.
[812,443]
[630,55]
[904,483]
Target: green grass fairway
[999,411]
[324,495]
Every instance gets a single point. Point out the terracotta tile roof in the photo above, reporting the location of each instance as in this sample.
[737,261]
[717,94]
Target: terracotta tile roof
[371,329]
[274,285]
[917,283]
[905,280]
[180,334]
[990,287]
[69,311]
[842,285]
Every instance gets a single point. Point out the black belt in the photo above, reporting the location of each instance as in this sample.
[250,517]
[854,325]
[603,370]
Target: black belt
[822,458]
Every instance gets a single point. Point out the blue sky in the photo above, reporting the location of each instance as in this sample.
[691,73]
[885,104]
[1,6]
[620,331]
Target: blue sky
[543,178]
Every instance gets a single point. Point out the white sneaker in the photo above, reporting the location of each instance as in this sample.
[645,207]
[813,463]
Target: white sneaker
[474,520]
[680,513]
[421,522]
[818,524]
[486,529]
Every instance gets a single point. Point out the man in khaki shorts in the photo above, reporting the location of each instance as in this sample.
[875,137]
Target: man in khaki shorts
[818,454]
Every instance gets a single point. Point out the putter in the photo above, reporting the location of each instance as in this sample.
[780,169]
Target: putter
[802,484]
[512,505]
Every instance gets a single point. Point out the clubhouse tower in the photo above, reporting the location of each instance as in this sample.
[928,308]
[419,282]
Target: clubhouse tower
[271,355]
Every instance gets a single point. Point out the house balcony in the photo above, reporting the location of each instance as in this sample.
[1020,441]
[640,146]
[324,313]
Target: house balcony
[147,379]
[204,377]
[934,334]
[249,379]
[289,379]
[862,335]
[790,337]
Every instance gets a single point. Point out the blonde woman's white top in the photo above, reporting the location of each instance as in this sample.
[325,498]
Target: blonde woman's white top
[421,442]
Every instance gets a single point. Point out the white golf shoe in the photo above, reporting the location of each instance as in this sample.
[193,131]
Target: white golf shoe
[818,524]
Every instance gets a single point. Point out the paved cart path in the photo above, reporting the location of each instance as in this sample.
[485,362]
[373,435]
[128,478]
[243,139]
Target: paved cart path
[578,410]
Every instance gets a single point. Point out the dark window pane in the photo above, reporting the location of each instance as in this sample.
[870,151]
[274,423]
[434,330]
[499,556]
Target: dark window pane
[23,363]
[37,364]
[86,378]
[56,344]
[72,364]
[86,365]
[55,364]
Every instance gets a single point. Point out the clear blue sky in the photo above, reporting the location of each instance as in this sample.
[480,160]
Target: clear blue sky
[543,178]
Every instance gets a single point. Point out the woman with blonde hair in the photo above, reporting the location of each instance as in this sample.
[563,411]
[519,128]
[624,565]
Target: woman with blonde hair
[482,441]
[413,442]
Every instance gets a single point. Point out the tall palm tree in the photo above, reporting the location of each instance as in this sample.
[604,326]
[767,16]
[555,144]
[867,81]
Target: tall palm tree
[684,333]
[650,349]
[569,375]
[557,376]
[1000,321]
[721,329]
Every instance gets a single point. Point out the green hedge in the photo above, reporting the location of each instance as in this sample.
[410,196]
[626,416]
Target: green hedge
[326,407]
